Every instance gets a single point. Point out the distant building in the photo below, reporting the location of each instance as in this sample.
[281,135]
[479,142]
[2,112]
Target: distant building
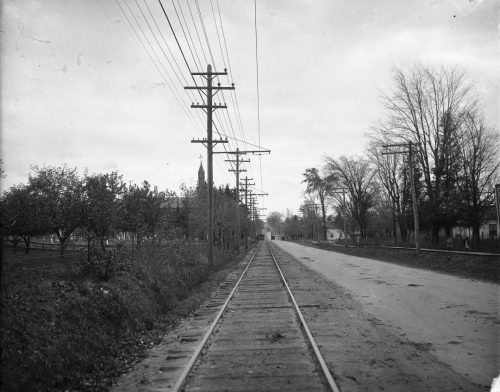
[333,232]
[489,228]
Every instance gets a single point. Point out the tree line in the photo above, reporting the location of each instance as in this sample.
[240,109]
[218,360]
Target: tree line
[437,113]
[56,200]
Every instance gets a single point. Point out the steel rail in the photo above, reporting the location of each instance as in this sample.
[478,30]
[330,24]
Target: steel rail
[321,360]
[182,378]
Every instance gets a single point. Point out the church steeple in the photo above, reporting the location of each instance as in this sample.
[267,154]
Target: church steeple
[201,176]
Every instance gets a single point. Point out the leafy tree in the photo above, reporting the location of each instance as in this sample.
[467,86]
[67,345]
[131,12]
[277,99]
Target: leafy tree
[294,227]
[322,187]
[275,221]
[59,195]
[310,219]
[102,203]
[20,216]
[143,211]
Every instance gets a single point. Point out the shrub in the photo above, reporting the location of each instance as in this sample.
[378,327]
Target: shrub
[102,264]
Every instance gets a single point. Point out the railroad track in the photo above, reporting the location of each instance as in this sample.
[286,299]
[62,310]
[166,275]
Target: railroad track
[259,340]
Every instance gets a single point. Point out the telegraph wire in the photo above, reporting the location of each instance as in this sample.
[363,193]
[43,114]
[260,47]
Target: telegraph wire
[205,32]
[157,42]
[258,92]
[206,36]
[179,100]
[230,69]
[156,39]
[185,36]
[164,40]
[175,36]
[178,44]
[159,66]
[196,30]
[225,67]
[161,48]
[233,94]
[150,56]
[209,48]
[138,57]
[189,32]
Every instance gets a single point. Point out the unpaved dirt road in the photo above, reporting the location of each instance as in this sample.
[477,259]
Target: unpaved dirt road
[458,319]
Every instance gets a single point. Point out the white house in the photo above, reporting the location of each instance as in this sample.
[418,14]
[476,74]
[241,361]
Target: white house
[333,233]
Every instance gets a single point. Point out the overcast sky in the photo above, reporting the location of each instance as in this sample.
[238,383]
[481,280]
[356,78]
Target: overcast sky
[78,87]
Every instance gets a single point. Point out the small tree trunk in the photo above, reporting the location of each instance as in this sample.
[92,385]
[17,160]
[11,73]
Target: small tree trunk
[27,241]
[403,230]
[435,235]
[15,241]
[88,248]
[63,242]
[475,236]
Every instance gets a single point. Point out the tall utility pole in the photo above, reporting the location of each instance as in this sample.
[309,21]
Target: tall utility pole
[252,202]
[238,170]
[209,90]
[407,148]
[237,162]
[245,186]
[257,209]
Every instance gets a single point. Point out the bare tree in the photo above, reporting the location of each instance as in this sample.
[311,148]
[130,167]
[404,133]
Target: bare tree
[357,176]
[480,162]
[390,173]
[275,221]
[427,107]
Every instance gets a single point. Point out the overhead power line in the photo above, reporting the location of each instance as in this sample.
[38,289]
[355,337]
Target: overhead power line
[258,92]
[182,51]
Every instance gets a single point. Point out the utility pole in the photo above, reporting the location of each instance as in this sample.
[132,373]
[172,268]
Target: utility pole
[237,162]
[257,209]
[246,184]
[209,90]
[337,191]
[407,148]
[252,202]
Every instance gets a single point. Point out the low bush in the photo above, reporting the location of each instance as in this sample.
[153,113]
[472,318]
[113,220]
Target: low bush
[102,264]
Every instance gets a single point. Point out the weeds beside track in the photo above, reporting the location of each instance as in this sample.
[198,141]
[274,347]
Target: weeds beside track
[67,325]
